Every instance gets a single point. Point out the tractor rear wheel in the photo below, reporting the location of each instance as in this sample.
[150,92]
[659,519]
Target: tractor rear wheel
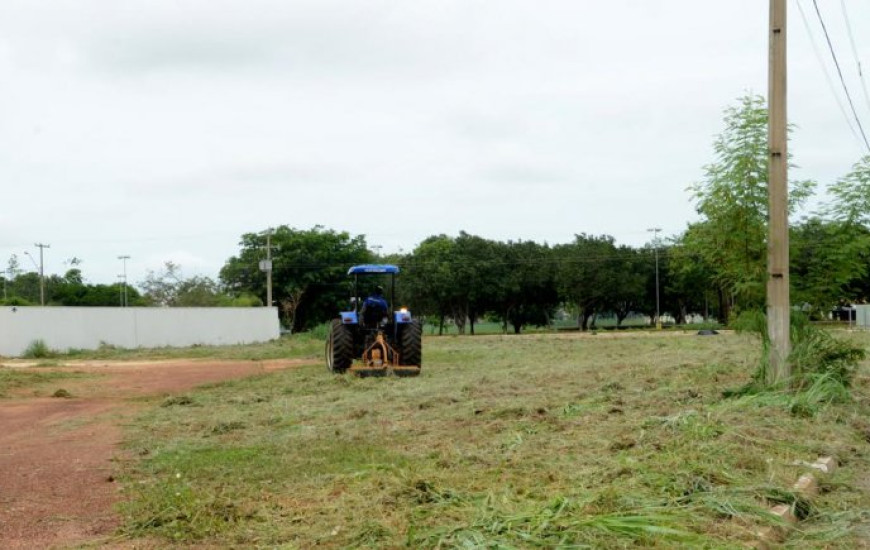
[339,348]
[412,343]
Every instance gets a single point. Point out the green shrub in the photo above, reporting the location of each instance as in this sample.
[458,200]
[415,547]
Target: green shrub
[38,349]
[320,332]
[15,301]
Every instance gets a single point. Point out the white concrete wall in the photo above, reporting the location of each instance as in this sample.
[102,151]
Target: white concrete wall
[862,316]
[64,328]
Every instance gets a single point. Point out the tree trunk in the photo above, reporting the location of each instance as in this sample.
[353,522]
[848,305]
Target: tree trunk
[683,314]
[459,319]
[585,316]
[620,317]
[724,308]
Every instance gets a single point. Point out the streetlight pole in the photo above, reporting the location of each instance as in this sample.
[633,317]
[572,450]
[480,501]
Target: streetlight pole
[124,259]
[655,232]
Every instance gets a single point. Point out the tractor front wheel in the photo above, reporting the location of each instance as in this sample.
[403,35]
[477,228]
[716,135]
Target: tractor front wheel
[412,343]
[339,348]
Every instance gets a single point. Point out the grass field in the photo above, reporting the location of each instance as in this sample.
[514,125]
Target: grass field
[16,380]
[608,441]
[283,348]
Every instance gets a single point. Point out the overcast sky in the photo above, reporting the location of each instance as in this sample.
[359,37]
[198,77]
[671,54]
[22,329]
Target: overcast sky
[164,129]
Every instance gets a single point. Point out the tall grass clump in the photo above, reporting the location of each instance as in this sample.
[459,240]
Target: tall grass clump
[320,332]
[823,366]
[37,349]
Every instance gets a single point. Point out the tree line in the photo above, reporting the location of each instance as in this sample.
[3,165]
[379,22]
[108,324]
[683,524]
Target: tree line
[716,268]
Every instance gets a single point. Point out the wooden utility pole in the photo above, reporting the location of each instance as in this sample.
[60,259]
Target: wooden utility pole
[778,304]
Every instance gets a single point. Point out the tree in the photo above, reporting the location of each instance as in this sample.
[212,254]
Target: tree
[827,259]
[523,286]
[26,287]
[585,269]
[169,288]
[688,282]
[851,195]
[629,271]
[311,264]
[831,252]
[732,199]
[429,281]
[474,263]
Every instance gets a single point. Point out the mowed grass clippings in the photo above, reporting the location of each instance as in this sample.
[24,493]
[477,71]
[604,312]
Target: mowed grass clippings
[609,441]
[16,379]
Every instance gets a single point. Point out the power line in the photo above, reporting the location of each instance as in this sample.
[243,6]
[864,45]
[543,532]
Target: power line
[840,73]
[558,260]
[855,53]
[825,71]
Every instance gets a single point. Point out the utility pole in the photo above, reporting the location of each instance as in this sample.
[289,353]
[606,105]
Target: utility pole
[655,232]
[266,265]
[124,301]
[269,270]
[778,303]
[41,247]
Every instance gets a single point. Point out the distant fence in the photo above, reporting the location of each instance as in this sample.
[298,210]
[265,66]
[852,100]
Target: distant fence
[862,316]
[65,328]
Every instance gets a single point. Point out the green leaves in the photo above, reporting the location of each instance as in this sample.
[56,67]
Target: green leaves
[851,195]
[308,273]
[733,201]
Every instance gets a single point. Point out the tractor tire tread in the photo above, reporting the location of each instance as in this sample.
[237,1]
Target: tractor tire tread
[341,341]
[412,343]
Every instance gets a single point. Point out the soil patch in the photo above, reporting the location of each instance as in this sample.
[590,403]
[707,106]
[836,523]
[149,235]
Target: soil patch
[57,487]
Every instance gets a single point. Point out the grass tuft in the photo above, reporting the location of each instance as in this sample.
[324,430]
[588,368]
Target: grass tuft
[823,367]
[178,400]
[17,379]
[38,349]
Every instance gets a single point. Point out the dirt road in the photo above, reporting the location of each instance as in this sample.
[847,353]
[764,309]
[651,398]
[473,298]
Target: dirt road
[57,485]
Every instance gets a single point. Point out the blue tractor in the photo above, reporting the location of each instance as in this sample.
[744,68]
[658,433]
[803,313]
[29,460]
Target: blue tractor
[373,338]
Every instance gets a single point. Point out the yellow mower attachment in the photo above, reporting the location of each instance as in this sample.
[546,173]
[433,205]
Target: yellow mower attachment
[381,359]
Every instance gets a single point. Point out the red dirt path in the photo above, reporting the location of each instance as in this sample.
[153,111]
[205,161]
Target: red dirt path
[56,473]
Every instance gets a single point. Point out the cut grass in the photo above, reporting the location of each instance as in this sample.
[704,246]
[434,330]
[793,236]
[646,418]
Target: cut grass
[12,379]
[543,441]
